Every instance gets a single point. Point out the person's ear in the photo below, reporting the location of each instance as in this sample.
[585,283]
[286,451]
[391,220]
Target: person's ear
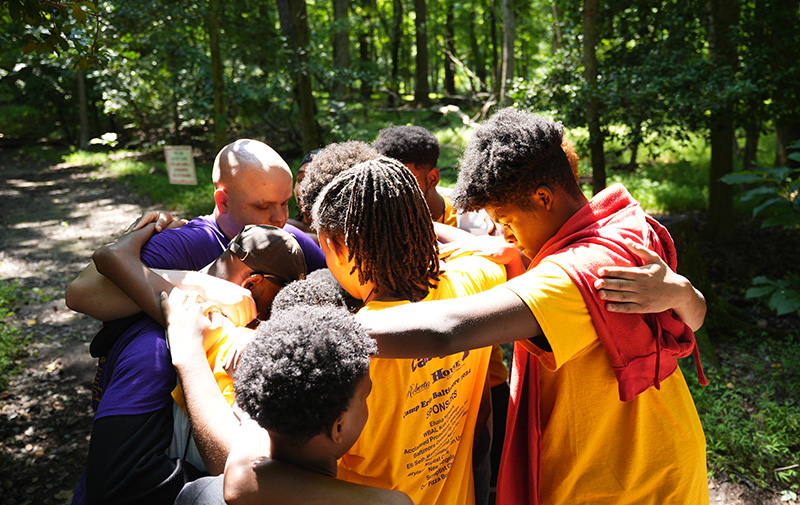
[337,430]
[221,200]
[543,197]
[433,177]
[337,248]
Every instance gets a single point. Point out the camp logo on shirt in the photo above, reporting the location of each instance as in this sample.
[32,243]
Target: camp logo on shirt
[421,362]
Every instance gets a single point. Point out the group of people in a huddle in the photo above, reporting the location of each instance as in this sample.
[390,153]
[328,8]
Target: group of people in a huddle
[352,354]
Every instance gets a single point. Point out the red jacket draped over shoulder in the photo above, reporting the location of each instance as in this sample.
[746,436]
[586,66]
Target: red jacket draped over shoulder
[643,348]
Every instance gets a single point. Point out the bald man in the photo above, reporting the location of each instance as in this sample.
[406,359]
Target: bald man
[252,185]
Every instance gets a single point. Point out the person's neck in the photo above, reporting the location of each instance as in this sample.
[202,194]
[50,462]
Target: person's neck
[227,228]
[313,455]
[435,204]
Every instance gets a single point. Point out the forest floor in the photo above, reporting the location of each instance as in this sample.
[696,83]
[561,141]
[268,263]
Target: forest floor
[52,217]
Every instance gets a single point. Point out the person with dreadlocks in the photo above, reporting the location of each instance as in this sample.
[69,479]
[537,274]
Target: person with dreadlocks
[600,411]
[377,235]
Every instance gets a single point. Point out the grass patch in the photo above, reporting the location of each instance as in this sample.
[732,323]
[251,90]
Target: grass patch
[13,342]
[751,412]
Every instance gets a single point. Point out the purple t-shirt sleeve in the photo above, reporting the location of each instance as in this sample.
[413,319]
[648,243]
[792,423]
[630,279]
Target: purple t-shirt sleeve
[137,376]
[315,258]
[189,247]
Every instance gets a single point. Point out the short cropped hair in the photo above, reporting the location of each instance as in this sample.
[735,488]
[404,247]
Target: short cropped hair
[300,371]
[511,155]
[327,163]
[409,144]
[311,291]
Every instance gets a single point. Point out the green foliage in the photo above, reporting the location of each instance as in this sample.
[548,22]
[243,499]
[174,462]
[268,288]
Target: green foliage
[773,193]
[13,342]
[48,26]
[750,412]
[781,296]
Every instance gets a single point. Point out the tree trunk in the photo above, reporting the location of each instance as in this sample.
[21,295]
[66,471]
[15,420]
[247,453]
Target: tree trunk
[591,37]
[752,132]
[557,40]
[509,32]
[722,15]
[341,48]
[784,39]
[450,51]
[83,111]
[217,79]
[294,24]
[421,84]
[394,41]
[478,62]
[495,53]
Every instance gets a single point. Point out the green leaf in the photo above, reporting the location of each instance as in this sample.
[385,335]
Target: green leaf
[783,304]
[30,47]
[762,279]
[78,13]
[768,203]
[794,156]
[758,292]
[741,177]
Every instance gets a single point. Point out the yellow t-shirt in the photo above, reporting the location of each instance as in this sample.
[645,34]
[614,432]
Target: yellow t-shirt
[422,412]
[449,216]
[595,448]
[215,354]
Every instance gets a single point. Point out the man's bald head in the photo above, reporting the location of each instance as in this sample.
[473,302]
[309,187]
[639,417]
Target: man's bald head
[253,185]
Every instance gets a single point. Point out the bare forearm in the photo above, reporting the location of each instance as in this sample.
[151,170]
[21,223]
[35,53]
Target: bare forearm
[692,305]
[93,294]
[437,328]
[213,422]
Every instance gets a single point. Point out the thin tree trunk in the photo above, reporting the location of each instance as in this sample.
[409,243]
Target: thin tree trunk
[557,40]
[478,61]
[421,84]
[449,53]
[722,15]
[509,32]
[217,79]
[294,24]
[341,47]
[83,110]
[495,53]
[591,37]
[394,41]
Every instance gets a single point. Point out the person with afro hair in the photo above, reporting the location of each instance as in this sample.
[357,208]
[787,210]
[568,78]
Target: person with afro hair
[600,412]
[318,288]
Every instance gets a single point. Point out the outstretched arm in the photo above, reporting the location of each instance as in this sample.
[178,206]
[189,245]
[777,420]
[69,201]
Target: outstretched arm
[651,288]
[440,327]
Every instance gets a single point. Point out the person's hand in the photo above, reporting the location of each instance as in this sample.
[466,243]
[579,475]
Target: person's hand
[162,220]
[191,322]
[651,288]
[235,302]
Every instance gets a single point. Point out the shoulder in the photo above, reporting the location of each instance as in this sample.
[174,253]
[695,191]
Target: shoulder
[188,247]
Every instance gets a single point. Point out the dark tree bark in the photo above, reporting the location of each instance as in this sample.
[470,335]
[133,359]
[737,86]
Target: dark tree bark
[341,47]
[421,84]
[509,33]
[83,110]
[217,79]
[784,38]
[294,24]
[723,14]
[478,61]
[450,51]
[495,49]
[591,37]
[557,41]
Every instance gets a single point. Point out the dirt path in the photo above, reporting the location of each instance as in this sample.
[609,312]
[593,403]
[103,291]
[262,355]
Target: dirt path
[51,219]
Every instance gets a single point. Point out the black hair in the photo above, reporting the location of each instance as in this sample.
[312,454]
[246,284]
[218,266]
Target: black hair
[327,163]
[511,155]
[409,144]
[311,291]
[298,374]
[378,210]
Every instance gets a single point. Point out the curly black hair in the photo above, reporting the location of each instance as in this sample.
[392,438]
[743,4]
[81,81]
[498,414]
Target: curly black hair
[327,163]
[312,291]
[409,144]
[511,155]
[300,371]
[378,210]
